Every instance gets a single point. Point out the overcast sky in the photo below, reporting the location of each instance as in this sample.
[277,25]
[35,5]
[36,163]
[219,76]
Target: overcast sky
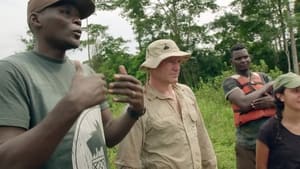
[14,27]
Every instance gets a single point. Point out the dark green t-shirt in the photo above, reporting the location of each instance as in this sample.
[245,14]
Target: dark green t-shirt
[31,86]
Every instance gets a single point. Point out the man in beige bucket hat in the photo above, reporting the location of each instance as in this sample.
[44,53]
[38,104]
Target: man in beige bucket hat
[54,113]
[172,133]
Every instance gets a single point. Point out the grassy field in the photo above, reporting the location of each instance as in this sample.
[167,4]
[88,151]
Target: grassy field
[218,119]
[219,122]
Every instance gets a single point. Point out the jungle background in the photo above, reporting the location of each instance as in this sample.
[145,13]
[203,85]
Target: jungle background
[269,28]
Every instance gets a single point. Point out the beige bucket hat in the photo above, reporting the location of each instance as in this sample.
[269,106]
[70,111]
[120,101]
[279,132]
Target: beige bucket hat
[160,50]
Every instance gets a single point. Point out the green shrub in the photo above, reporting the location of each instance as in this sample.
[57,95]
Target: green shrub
[218,119]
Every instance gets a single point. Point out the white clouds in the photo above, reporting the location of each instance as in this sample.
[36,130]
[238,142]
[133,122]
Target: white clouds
[14,27]
[117,27]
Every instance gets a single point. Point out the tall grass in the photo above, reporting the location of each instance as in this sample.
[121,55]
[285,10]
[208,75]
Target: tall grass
[218,119]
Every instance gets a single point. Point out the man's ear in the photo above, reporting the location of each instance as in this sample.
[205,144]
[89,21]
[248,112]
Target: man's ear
[34,20]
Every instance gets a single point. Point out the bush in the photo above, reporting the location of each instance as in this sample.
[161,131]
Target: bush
[218,119]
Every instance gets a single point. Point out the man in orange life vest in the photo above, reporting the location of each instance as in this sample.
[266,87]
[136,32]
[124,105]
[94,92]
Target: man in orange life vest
[248,93]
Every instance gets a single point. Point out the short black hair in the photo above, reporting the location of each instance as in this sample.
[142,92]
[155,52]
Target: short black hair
[236,47]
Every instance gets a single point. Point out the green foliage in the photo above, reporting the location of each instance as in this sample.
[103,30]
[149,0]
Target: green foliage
[176,20]
[261,25]
[112,155]
[158,19]
[28,41]
[275,72]
[297,13]
[258,24]
[263,67]
[218,118]
[203,65]
[261,51]
[217,81]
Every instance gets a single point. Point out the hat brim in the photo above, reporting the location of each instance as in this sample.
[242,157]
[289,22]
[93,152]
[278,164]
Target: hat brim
[85,7]
[154,62]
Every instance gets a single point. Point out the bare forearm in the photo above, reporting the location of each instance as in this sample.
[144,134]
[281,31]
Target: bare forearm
[33,148]
[246,101]
[116,129]
[262,155]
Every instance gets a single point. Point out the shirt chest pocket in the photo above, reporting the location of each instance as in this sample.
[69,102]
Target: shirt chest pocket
[166,130]
[190,110]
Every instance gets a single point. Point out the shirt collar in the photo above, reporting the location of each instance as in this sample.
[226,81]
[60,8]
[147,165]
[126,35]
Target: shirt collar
[152,93]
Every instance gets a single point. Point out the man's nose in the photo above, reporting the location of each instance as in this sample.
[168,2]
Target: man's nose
[77,21]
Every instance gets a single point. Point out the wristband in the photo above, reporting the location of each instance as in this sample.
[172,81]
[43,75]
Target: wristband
[135,114]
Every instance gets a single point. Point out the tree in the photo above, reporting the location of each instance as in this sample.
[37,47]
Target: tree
[263,25]
[291,27]
[174,19]
[29,41]
[108,52]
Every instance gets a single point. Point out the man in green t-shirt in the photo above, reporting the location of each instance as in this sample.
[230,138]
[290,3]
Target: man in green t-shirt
[54,113]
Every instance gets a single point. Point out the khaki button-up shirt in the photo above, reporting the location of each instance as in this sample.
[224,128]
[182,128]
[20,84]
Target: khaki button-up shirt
[165,138]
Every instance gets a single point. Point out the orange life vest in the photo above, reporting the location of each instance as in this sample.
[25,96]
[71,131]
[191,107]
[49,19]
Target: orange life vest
[249,86]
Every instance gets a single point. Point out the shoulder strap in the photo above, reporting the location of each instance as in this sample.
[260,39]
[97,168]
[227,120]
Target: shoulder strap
[236,77]
[264,77]
[254,75]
